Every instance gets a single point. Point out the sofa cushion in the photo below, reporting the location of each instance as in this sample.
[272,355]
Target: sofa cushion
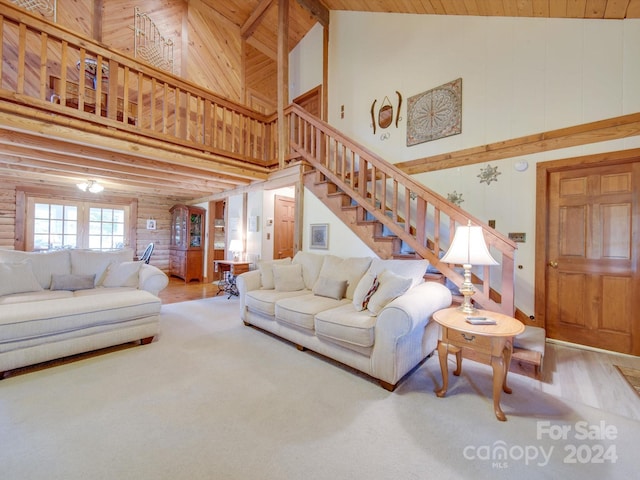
[347,326]
[350,269]
[72,282]
[18,278]
[365,289]
[27,297]
[328,287]
[300,311]
[413,269]
[311,266]
[123,274]
[391,286]
[264,301]
[40,320]
[94,262]
[266,271]
[44,264]
[288,278]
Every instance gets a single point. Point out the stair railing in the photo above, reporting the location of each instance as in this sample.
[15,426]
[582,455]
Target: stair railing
[423,219]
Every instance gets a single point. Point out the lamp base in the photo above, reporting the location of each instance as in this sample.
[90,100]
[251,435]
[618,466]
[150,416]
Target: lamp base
[467,290]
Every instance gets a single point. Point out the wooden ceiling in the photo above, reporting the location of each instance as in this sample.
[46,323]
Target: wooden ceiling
[258,19]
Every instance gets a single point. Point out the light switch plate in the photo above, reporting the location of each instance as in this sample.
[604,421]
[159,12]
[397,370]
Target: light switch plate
[518,237]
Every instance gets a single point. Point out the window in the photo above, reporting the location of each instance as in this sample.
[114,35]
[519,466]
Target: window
[76,224]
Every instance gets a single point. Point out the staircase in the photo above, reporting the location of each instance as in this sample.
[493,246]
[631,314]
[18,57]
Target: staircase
[394,215]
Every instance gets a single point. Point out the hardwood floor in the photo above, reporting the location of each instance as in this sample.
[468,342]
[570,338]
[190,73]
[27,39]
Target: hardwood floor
[179,291]
[569,372]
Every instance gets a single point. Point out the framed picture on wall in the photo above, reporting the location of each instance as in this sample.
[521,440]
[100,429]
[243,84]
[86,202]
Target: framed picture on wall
[319,236]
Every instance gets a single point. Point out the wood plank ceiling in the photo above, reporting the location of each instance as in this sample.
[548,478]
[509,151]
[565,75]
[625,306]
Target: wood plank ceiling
[257,22]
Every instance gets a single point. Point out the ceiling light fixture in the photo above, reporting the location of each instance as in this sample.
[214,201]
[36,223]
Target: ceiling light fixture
[90,186]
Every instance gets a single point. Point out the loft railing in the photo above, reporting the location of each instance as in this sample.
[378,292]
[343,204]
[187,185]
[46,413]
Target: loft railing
[55,70]
[423,219]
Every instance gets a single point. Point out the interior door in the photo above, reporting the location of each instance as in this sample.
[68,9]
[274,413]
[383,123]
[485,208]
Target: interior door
[592,257]
[284,226]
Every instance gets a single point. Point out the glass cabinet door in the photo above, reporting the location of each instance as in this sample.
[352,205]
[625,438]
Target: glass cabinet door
[195,233]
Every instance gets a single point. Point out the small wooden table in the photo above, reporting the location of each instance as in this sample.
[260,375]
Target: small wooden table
[494,340]
[230,269]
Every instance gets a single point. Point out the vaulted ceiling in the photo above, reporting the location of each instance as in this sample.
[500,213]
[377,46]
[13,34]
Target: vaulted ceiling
[258,19]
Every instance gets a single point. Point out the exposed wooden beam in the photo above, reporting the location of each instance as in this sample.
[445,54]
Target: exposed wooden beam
[317,9]
[254,19]
[283,75]
[586,133]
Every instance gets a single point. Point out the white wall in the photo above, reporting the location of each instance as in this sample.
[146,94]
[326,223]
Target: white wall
[305,63]
[520,76]
[342,241]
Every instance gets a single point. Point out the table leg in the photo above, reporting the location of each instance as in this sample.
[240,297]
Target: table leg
[458,352]
[497,363]
[508,350]
[443,351]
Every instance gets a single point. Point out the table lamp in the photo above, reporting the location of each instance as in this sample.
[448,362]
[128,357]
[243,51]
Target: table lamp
[468,248]
[235,247]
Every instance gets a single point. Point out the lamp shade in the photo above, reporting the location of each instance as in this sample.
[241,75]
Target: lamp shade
[235,246]
[469,248]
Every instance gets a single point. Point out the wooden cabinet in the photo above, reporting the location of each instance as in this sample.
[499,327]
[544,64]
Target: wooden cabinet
[187,238]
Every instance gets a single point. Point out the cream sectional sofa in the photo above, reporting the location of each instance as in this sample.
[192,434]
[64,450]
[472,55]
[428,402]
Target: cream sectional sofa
[66,302]
[370,314]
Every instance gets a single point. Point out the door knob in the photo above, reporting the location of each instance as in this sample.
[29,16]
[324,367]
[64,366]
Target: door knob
[553,264]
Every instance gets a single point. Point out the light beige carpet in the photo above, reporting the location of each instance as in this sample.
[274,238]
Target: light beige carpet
[213,399]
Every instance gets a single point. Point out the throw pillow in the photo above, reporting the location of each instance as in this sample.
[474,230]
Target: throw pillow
[72,282]
[350,269]
[288,278]
[18,278]
[328,287]
[365,289]
[124,274]
[391,286]
[266,271]
[413,269]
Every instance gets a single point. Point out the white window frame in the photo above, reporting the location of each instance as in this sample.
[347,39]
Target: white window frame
[83,206]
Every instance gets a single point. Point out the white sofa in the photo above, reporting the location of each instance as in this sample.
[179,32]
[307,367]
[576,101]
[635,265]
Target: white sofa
[66,302]
[332,306]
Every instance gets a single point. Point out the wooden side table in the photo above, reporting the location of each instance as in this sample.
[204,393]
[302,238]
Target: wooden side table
[494,340]
[231,270]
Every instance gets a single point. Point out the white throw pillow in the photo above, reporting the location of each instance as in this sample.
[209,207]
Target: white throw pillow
[18,278]
[365,289]
[391,286]
[329,287]
[288,278]
[266,271]
[124,274]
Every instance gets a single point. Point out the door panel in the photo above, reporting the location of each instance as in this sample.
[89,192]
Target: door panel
[591,266]
[284,226]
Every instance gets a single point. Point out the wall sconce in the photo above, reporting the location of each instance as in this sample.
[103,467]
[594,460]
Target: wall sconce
[90,186]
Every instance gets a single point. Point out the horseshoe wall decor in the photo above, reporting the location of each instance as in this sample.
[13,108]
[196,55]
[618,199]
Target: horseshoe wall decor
[385,113]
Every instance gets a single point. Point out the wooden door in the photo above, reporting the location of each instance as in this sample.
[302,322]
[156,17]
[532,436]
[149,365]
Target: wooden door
[284,226]
[311,101]
[592,287]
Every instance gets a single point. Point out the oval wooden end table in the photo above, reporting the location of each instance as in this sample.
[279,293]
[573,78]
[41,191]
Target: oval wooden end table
[494,340]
